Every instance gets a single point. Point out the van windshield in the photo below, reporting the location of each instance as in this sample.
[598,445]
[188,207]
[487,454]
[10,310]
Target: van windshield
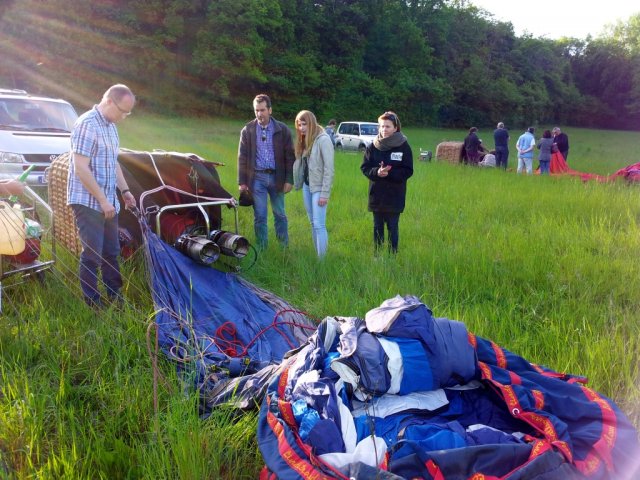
[42,115]
[369,129]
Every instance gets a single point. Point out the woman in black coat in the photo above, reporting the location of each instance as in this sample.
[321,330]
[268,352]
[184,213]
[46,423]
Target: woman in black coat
[387,163]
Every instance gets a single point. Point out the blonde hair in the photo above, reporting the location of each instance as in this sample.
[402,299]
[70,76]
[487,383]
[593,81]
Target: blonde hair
[305,142]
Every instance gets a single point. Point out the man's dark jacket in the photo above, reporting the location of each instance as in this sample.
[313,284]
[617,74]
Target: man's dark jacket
[282,149]
[562,141]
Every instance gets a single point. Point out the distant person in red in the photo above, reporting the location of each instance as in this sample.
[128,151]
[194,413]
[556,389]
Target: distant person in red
[561,140]
[472,147]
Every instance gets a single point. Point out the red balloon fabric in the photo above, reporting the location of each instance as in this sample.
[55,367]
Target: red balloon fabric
[559,166]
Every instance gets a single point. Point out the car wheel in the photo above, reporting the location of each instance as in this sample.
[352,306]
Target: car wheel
[339,147]
[362,148]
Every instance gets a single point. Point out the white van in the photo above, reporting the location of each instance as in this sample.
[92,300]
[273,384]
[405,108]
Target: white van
[355,135]
[33,131]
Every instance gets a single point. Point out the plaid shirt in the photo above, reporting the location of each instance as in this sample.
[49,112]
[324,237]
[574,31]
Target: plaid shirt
[95,137]
[265,158]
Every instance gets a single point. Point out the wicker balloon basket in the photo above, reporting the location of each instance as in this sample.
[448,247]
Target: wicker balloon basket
[65,230]
[449,151]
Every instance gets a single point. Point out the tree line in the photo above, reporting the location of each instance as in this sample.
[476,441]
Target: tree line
[436,62]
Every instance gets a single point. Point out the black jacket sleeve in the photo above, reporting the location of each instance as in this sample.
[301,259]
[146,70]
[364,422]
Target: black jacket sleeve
[369,167]
[243,157]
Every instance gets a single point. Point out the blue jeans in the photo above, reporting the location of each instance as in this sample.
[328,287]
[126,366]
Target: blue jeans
[100,249]
[318,219]
[264,184]
[544,167]
[392,220]
[502,157]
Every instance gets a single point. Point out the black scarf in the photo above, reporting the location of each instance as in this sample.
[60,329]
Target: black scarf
[384,144]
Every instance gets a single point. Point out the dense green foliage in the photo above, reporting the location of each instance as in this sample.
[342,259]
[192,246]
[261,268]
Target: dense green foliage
[435,62]
[546,267]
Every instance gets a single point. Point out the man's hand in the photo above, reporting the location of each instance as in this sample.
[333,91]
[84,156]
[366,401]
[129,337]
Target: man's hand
[129,200]
[243,188]
[84,173]
[287,187]
[11,187]
[322,201]
[108,210]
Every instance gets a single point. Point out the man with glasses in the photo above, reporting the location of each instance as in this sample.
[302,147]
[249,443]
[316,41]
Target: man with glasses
[265,168]
[94,175]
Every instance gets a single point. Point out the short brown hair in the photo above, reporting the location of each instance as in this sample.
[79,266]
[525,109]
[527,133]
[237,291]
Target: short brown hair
[262,97]
[392,117]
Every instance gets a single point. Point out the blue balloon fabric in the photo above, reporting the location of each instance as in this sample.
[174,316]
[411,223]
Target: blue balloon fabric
[512,419]
[211,323]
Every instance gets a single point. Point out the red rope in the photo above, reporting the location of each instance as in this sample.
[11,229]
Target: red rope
[227,341]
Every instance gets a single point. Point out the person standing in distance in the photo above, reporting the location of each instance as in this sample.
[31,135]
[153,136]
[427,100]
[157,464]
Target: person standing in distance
[387,163]
[330,130]
[525,146]
[472,147]
[544,145]
[265,167]
[94,175]
[561,141]
[501,141]
[314,156]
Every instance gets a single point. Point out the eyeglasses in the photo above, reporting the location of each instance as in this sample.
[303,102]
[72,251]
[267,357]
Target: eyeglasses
[392,117]
[126,113]
[264,134]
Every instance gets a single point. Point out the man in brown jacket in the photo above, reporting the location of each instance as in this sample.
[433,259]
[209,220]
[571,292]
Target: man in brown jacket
[265,168]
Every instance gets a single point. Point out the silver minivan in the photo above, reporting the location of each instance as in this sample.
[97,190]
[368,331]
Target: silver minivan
[33,131]
[355,135]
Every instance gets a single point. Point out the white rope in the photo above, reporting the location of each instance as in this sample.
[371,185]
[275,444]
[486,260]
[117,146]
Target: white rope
[156,167]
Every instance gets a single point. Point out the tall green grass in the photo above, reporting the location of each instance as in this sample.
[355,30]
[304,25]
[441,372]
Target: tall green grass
[544,266]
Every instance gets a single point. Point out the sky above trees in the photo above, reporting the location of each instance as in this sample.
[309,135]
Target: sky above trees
[564,18]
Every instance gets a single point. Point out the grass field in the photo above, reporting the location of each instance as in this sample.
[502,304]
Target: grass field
[545,267]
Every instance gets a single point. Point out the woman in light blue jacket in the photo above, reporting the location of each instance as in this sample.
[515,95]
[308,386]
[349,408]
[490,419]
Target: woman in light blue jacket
[313,172]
